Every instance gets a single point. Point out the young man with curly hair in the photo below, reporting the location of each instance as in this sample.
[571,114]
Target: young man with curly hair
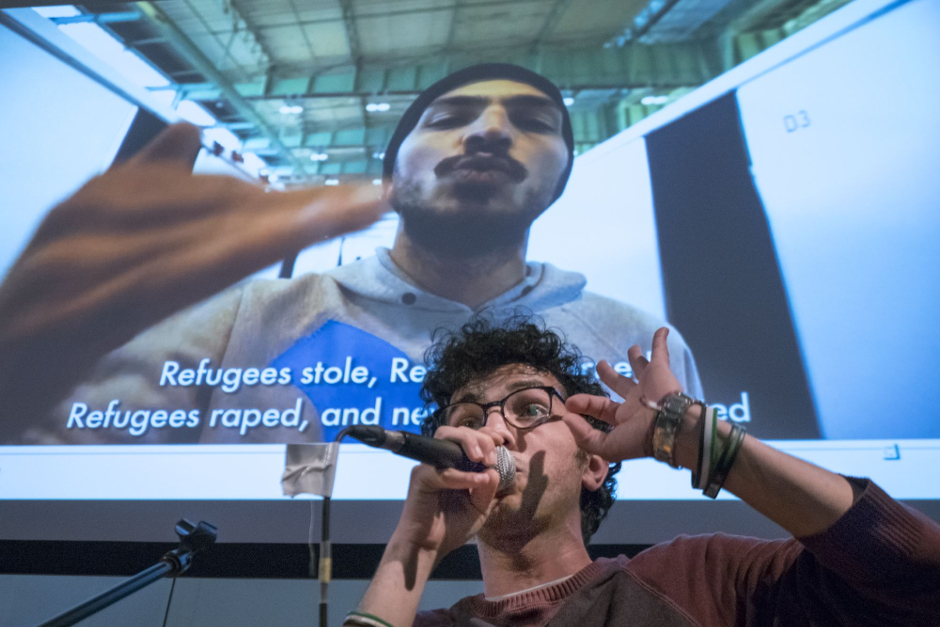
[857,557]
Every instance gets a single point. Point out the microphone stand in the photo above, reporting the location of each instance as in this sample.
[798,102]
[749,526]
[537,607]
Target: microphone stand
[193,539]
[326,561]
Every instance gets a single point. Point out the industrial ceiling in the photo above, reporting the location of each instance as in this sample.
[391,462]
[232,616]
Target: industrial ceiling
[315,87]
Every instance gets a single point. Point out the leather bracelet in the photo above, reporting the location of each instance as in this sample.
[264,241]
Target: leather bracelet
[701,442]
[668,420]
[725,461]
[710,451]
[723,467]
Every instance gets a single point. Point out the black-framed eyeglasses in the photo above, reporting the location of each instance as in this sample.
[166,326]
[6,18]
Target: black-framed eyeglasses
[524,409]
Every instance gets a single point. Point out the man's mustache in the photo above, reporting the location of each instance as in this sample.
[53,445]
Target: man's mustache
[512,168]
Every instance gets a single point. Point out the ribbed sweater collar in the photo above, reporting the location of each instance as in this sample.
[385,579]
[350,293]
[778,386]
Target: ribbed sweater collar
[542,597]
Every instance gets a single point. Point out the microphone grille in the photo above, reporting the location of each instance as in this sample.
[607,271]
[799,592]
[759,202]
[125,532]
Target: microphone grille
[506,467]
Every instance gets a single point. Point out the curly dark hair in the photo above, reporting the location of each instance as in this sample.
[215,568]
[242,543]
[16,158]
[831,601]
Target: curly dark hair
[485,344]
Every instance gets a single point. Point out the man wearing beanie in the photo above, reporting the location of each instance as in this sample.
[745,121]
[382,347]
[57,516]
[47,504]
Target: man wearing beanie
[475,159]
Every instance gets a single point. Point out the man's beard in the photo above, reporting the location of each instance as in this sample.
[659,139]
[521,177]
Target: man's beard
[509,531]
[464,233]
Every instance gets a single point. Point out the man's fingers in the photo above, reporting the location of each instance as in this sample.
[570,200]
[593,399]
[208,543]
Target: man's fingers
[661,347]
[478,446]
[587,437]
[324,213]
[240,245]
[596,406]
[614,380]
[178,144]
[637,361]
[482,494]
[232,247]
[451,478]
[481,486]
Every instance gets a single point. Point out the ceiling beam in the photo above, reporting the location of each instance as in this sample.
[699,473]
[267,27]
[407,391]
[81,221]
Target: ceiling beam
[452,31]
[205,26]
[641,24]
[238,12]
[303,31]
[98,18]
[150,41]
[352,31]
[760,15]
[398,12]
[551,21]
[653,17]
[194,55]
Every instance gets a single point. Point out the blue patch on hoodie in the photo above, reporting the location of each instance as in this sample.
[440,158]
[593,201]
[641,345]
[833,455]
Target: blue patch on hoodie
[354,377]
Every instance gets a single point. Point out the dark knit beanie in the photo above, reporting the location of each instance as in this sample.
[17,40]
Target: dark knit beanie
[476,74]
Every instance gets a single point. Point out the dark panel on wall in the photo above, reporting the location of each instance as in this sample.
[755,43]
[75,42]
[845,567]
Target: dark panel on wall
[723,285]
[243,561]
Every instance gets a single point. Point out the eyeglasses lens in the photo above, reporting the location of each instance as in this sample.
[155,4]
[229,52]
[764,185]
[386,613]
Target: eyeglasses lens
[523,409]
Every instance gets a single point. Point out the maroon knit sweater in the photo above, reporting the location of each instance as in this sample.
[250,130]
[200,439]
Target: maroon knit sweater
[878,565]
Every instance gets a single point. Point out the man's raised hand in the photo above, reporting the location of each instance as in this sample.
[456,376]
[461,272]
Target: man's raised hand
[632,419]
[139,243]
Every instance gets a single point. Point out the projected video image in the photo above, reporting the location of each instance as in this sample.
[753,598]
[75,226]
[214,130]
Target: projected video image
[790,251]
[342,343]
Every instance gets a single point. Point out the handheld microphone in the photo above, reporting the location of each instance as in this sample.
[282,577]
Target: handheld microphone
[439,453]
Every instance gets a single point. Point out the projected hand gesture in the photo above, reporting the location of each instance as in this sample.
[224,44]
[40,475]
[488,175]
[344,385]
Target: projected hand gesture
[139,243]
[632,419]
